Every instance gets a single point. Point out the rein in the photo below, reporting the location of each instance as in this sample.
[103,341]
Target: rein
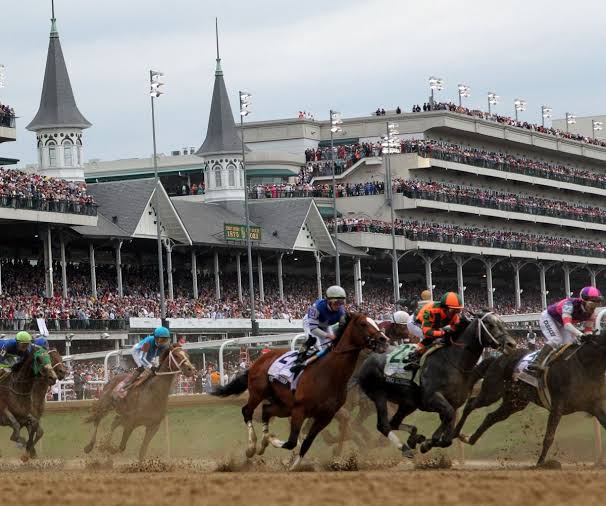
[171,360]
[482,327]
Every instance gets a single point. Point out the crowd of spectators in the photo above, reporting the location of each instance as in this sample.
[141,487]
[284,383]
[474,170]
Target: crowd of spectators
[7,116]
[506,120]
[474,236]
[34,191]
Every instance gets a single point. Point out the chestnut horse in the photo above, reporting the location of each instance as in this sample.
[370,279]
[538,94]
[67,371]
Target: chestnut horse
[145,404]
[320,393]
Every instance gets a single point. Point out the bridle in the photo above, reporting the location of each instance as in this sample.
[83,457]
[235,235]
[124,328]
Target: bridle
[58,363]
[172,360]
[482,327]
[369,342]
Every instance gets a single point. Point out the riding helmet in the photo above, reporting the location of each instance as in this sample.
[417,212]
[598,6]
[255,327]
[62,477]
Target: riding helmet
[24,337]
[161,333]
[591,293]
[451,300]
[335,292]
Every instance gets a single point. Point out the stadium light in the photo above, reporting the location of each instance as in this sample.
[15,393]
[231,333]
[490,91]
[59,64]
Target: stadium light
[493,99]
[571,119]
[335,126]
[245,102]
[391,145]
[545,113]
[464,92]
[435,84]
[2,75]
[519,106]
[596,126]
[154,93]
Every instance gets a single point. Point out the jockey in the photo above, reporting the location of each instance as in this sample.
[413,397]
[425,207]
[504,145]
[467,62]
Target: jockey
[317,322]
[146,353]
[397,328]
[437,320]
[13,352]
[557,323]
[414,325]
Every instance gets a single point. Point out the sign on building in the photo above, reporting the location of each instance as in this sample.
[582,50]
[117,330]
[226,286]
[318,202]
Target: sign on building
[233,232]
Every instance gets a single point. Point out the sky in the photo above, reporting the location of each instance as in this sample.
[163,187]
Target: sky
[351,56]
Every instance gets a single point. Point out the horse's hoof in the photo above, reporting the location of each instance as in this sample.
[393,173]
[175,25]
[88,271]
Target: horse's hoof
[550,464]
[464,438]
[425,446]
[24,457]
[415,440]
[250,452]
[408,452]
[88,448]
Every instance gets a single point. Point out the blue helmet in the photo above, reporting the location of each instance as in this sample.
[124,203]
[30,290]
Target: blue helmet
[161,333]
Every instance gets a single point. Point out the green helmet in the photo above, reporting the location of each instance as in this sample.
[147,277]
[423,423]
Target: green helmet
[24,337]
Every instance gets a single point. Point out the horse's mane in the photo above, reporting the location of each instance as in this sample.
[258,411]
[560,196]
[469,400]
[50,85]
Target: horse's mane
[165,353]
[345,321]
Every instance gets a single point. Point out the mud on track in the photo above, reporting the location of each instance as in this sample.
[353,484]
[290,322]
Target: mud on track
[127,484]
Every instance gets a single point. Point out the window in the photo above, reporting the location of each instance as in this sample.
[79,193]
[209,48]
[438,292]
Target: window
[218,182]
[52,155]
[68,153]
[231,175]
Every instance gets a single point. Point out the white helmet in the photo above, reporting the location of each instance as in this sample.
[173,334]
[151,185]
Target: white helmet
[335,292]
[401,317]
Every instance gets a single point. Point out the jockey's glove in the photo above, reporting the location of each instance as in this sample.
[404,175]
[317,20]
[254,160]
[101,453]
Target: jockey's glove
[585,336]
[140,368]
[447,329]
[153,369]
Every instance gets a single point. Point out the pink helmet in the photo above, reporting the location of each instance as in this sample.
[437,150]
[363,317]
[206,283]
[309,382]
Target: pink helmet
[591,293]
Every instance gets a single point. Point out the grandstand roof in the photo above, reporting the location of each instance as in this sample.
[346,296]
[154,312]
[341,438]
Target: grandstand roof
[104,228]
[221,135]
[57,104]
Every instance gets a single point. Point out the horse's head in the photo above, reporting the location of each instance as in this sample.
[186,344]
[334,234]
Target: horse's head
[364,332]
[174,360]
[491,332]
[57,364]
[42,366]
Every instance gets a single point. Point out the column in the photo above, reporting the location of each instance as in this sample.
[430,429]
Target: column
[239,271]
[63,267]
[194,273]
[280,277]
[260,274]
[516,282]
[460,261]
[0,276]
[217,278]
[489,288]
[48,262]
[358,280]
[542,271]
[593,273]
[119,268]
[566,269]
[168,245]
[428,259]
[93,269]
[396,276]
[318,272]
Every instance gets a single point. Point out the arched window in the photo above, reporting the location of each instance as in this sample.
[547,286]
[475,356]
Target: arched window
[218,182]
[231,175]
[52,154]
[68,156]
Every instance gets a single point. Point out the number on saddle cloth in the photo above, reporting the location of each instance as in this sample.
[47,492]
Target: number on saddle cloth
[396,362]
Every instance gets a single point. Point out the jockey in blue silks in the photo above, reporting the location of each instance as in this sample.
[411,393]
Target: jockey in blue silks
[146,353]
[13,352]
[317,323]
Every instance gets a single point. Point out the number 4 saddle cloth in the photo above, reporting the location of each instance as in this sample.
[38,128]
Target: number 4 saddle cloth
[280,370]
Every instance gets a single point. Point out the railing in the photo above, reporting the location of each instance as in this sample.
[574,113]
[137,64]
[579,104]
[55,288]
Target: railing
[7,121]
[53,206]
[285,194]
[56,325]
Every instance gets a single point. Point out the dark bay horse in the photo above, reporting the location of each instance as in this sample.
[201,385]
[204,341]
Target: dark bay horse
[446,381]
[145,405]
[575,382]
[16,391]
[320,393]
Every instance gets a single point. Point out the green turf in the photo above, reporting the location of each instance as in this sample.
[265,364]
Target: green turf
[218,431]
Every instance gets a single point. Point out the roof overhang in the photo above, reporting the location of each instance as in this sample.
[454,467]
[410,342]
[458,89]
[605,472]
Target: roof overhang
[318,230]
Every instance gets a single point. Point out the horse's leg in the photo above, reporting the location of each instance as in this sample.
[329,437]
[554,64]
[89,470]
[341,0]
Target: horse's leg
[15,436]
[316,428]
[150,432]
[107,441]
[438,403]
[552,424]
[600,413]
[396,424]
[385,428]
[268,411]
[344,419]
[507,408]
[98,416]
[248,410]
[126,432]
[297,417]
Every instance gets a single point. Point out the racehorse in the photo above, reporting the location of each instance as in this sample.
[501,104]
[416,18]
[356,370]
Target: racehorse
[144,405]
[320,393]
[445,382]
[16,392]
[39,391]
[575,382]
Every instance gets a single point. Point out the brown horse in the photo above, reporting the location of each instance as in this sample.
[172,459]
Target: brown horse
[16,392]
[320,393]
[145,405]
[39,391]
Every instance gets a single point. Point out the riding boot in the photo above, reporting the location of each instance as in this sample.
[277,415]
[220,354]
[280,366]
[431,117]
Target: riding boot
[134,376]
[536,366]
[304,353]
[414,360]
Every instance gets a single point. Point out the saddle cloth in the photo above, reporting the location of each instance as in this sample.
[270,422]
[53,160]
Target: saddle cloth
[119,391]
[521,373]
[395,364]
[280,369]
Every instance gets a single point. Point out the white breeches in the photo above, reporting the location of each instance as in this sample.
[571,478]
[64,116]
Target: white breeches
[414,329]
[555,334]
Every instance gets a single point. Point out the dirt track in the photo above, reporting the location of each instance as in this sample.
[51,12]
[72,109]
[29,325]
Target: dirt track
[494,487]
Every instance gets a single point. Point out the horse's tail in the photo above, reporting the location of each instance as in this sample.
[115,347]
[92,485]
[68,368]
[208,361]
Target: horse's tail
[479,371]
[235,387]
[103,405]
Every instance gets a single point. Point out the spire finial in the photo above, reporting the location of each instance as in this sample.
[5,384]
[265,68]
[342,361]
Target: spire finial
[218,69]
[53,20]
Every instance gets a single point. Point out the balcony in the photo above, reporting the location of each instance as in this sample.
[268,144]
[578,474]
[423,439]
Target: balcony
[8,130]
[47,211]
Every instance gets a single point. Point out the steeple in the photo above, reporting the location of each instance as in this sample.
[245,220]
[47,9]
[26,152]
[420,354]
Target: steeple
[58,123]
[57,104]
